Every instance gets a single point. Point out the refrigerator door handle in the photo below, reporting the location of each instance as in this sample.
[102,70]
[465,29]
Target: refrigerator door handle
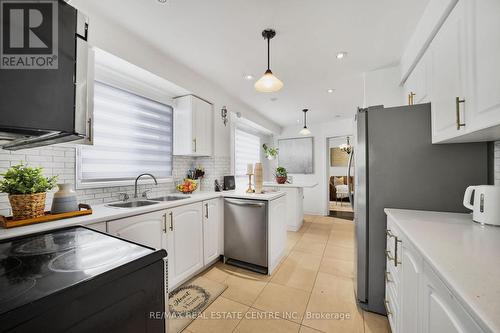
[351,156]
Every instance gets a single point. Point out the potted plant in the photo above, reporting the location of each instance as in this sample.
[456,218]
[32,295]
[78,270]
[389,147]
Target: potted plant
[281,175]
[270,152]
[27,189]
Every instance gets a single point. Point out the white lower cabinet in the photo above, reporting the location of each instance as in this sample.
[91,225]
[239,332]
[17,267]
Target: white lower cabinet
[191,234]
[211,230]
[144,229]
[277,232]
[184,242]
[417,300]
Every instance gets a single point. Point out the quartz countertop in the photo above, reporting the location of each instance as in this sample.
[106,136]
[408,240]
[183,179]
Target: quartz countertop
[103,212]
[298,184]
[464,254]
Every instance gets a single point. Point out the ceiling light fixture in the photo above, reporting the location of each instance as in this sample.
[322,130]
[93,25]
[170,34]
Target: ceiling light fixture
[341,55]
[330,91]
[268,82]
[305,130]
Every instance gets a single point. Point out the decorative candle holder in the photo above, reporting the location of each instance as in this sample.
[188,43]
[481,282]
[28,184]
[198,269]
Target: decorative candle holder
[249,189]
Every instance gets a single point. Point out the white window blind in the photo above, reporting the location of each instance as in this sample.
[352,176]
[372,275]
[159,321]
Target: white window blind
[246,150]
[132,135]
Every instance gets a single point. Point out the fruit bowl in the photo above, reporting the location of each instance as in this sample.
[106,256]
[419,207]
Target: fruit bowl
[188,186]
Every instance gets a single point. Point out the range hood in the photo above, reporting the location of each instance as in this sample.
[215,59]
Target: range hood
[44,106]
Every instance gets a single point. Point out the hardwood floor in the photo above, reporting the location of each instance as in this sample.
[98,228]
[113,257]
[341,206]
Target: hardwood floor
[311,291]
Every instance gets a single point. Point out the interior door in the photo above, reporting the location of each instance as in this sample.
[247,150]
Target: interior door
[185,242]
[448,77]
[211,230]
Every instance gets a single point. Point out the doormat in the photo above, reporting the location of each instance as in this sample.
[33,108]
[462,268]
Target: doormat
[187,302]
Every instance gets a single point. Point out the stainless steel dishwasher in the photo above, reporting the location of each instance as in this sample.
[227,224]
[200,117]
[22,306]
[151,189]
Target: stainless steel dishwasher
[245,234]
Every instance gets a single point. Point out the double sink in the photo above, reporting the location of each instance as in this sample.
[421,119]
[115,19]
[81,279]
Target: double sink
[148,202]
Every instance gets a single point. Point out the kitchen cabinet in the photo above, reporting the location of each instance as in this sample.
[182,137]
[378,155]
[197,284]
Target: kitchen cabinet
[211,230]
[448,77]
[484,68]
[193,127]
[417,300]
[184,242]
[277,232]
[143,229]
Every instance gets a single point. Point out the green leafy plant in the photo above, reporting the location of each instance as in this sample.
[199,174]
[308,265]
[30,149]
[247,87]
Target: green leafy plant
[22,179]
[270,152]
[281,172]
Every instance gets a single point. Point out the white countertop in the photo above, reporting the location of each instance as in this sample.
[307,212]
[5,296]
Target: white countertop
[464,254]
[103,212]
[298,184]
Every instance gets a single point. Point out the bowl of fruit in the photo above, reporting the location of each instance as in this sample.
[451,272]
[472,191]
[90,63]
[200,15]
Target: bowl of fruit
[187,186]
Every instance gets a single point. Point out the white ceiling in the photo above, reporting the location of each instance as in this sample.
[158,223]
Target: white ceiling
[221,40]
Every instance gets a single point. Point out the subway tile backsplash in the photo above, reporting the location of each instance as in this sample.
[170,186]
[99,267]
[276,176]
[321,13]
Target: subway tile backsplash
[60,161]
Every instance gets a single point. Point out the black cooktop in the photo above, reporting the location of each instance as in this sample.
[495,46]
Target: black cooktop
[36,266]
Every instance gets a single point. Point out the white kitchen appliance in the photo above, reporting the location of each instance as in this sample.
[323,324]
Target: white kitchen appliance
[485,205]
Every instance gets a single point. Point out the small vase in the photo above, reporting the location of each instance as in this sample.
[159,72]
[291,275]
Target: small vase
[65,200]
[281,179]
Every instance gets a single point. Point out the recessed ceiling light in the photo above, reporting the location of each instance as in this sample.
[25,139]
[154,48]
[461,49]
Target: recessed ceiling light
[330,91]
[341,55]
[248,77]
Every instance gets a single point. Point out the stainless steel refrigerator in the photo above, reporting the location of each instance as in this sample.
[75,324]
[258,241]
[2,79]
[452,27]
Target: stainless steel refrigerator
[396,166]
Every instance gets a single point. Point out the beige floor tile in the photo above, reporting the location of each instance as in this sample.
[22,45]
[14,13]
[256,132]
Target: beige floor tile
[345,317]
[243,288]
[298,270]
[309,245]
[339,252]
[289,302]
[304,227]
[324,220]
[209,322]
[315,236]
[337,267]
[218,272]
[339,287]
[343,225]
[375,323]
[305,329]
[309,218]
[256,321]
[341,239]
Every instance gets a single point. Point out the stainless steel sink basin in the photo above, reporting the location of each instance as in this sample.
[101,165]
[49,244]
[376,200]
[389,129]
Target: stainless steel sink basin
[132,204]
[170,198]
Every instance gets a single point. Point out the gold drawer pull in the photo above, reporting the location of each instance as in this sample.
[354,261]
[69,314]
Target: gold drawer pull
[459,101]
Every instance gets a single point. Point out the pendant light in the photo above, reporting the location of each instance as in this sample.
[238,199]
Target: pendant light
[268,82]
[305,130]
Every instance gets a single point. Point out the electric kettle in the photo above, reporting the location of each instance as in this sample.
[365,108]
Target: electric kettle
[485,204]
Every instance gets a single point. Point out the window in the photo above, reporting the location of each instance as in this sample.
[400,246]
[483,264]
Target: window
[246,151]
[132,135]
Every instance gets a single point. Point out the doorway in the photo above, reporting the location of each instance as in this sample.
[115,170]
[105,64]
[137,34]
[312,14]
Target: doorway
[340,179]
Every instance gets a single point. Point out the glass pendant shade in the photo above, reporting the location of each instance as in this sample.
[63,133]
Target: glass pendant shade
[268,83]
[305,131]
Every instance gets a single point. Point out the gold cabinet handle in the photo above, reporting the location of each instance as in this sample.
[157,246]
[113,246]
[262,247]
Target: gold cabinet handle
[396,260]
[459,101]
[164,228]
[387,308]
[206,210]
[410,98]
[171,221]
[387,277]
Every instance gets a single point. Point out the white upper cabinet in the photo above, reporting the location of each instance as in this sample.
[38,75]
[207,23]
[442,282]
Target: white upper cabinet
[448,77]
[484,65]
[459,71]
[193,127]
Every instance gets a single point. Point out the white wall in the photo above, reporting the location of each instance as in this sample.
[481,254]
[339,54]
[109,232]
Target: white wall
[315,199]
[382,87]
[117,40]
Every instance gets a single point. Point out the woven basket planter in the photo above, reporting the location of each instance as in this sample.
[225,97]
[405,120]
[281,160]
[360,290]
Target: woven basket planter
[25,206]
